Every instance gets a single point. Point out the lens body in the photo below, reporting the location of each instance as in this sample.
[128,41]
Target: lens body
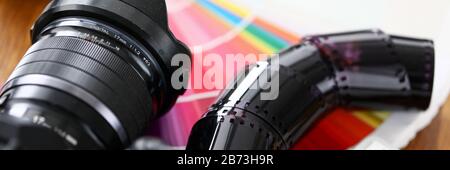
[364,69]
[97,73]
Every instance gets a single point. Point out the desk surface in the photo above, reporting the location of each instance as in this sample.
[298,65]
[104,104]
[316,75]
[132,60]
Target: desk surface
[17,17]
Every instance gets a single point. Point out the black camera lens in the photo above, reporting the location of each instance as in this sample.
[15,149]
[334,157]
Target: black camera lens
[98,71]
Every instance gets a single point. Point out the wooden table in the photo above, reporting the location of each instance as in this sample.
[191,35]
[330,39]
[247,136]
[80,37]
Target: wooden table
[16,18]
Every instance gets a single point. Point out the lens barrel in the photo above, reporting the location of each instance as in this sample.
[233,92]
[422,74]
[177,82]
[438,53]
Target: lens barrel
[98,72]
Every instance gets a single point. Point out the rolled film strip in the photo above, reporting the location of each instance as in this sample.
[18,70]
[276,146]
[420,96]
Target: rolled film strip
[340,129]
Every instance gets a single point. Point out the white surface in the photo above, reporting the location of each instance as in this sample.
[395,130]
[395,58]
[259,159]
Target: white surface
[417,18]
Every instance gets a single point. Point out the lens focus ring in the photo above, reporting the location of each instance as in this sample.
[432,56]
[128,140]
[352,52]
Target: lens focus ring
[96,70]
[103,56]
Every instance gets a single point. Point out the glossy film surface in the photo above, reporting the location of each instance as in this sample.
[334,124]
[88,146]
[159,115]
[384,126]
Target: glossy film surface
[368,69]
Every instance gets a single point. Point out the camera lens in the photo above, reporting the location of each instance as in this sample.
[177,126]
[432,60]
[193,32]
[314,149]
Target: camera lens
[97,73]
